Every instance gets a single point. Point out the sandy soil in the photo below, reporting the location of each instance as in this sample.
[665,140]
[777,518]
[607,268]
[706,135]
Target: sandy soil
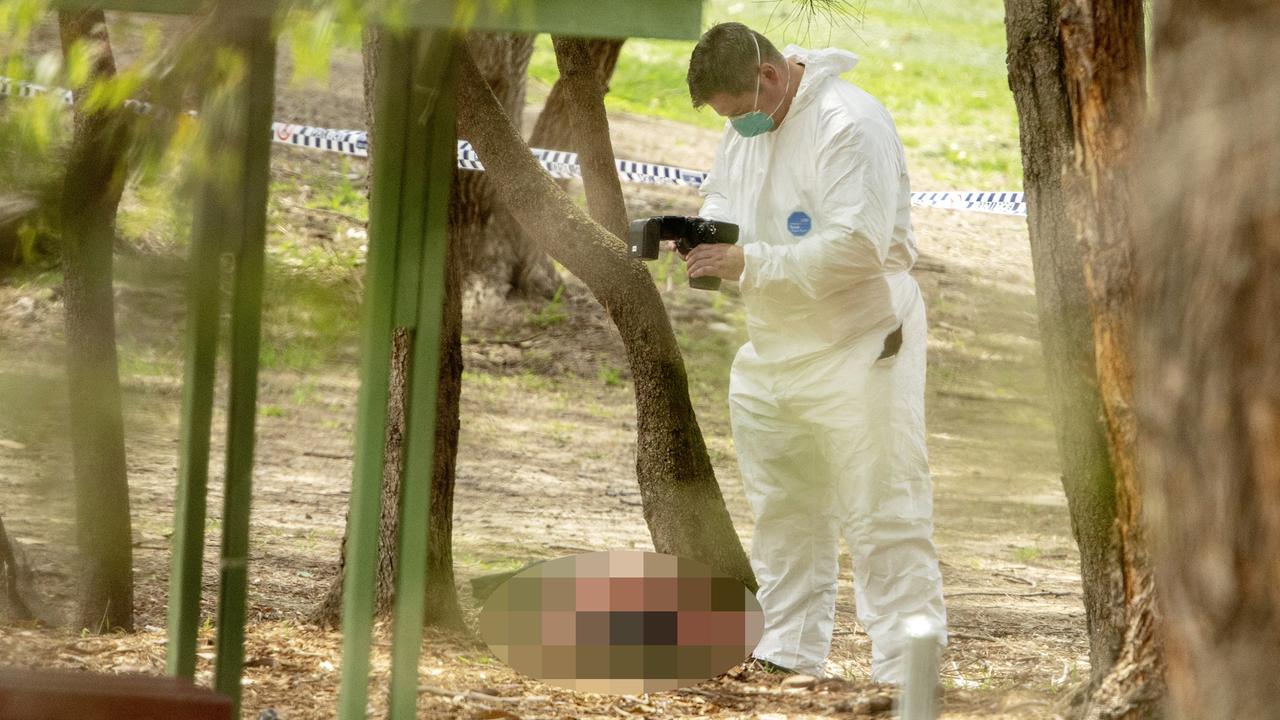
[546,468]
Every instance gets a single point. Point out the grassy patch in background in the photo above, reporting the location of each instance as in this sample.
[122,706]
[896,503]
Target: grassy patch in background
[939,66]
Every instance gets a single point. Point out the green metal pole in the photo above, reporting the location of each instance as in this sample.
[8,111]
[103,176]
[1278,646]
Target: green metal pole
[390,117]
[433,87]
[212,211]
[255,36]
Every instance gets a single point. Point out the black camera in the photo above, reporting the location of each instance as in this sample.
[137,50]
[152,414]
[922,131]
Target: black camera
[645,234]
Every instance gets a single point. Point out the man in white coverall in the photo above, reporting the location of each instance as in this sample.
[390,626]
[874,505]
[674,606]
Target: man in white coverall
[827,397]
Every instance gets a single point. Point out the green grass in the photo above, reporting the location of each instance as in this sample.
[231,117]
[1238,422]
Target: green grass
[523,382]
[140,362]
[306,323]
[610,375]
[938,65]
[707,357]
[484,564]
[272,411]
[552,313]
[1027,555]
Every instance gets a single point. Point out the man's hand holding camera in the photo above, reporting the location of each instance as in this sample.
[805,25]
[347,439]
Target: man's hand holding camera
[720,260]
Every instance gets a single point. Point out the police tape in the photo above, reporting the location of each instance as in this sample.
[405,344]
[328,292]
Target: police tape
[559,164]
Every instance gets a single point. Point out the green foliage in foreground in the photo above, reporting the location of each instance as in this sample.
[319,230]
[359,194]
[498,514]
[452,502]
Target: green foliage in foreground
[938,65]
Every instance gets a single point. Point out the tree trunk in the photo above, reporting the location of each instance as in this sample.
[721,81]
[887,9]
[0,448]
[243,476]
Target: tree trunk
[499,262]
[553,130]
[1209,352]
[683,505]
[1104,59]
[584,116]
[442,594]
[16,575]
[503,261]
[1076,75]
[90,197]
[442,608]
[1066,331]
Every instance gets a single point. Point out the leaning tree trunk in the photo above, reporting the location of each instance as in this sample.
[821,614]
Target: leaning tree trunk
[683,505]
[498,261]
[442,608]
[501,260]
[90,197]
[553,130]
[582,105]
[1209,352]
[1076,76]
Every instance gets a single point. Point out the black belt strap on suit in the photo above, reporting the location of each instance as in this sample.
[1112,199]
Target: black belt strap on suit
[892,343]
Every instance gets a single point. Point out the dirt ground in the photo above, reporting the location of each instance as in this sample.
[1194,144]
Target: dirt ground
[546,462]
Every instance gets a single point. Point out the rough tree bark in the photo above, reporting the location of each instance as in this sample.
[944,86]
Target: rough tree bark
[442,608]
[582,107]
[553,129]
[1075,69]
[1037,79]
[90,196]
[1209,352]
[1104,63]
[683,506]
[499,262]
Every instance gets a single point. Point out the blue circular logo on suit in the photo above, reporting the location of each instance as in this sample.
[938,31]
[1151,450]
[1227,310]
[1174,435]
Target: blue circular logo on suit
[799,224]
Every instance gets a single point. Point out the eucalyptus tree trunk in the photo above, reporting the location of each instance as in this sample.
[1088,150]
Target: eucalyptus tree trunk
[502,262]
[1076,71]
[553,129]
[442,608]
[683,505]
[582,89]
[499,262]
[1104,55]
[90,197]
[1209,352]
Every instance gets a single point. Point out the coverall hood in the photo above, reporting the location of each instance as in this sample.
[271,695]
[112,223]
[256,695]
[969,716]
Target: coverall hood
[819,67]
[823,207]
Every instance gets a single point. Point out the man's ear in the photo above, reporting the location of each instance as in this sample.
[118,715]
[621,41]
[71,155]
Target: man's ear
[774,74]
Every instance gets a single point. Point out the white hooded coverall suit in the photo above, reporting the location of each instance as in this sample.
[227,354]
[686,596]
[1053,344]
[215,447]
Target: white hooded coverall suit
[830,439]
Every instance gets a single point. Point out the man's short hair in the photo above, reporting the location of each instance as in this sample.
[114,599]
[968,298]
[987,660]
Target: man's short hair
[724,61]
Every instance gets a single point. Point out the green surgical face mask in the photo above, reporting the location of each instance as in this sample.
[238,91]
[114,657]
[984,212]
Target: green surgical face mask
[755,122]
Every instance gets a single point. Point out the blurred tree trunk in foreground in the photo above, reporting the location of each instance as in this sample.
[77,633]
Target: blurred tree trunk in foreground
[1209,351]
[90,197]
[1076,71]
